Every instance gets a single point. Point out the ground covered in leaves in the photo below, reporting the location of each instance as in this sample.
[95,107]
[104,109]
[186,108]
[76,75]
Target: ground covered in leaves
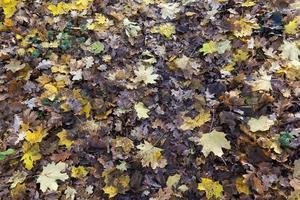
[149,99]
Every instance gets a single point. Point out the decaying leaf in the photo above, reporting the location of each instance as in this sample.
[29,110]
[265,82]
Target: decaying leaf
[199,120]
[151,156]
[63,139]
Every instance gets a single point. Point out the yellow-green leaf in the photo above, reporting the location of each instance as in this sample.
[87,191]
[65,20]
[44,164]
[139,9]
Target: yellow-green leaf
[211,188]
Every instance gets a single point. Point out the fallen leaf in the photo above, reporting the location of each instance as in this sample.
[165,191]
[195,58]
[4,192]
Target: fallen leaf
[173,180]
[78,172]
[70,193]
[263,123]
[151,156]
[199,120]
[50,174]
[169,10]
[31,154]
[145,74]
[63,139]
[211,188]
[141,110]
[214,142]
[167,30]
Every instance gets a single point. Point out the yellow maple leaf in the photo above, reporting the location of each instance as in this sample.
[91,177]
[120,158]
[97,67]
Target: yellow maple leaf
[211,188]
[141,110]
[209,47]
[31,154]
[167,30]
[63,139]
[263,123]
[244,27]
[199,120]
[110,190]
[78,172]
[36,135]
[145,74]
[151,156]
[214,142]
[9,7]
[240,55]
[59,9]
[292,26]
[212,47]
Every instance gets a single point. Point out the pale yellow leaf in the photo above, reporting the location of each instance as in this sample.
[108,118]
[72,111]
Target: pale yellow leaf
[263,123]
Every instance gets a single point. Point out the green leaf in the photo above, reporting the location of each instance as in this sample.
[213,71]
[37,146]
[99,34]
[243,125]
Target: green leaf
[8,152]
[97,47]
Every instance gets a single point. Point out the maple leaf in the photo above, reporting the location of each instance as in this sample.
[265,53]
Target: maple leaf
[145,74]
[199,120]
[263,123]
[78,172]
[169,10]
[35,136]
[63,139]
[9,7]
[151,156]
[70,193]
[214,142]
[244,27]
[14,66]
[167,30]
[292,26]
[110,190]
[212,47]
[173,180]
[209,47]
[211,188]
[131,28]
[50,174]
[141,110]
[16,178]
[290,51]
[263,83]
[31,154]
